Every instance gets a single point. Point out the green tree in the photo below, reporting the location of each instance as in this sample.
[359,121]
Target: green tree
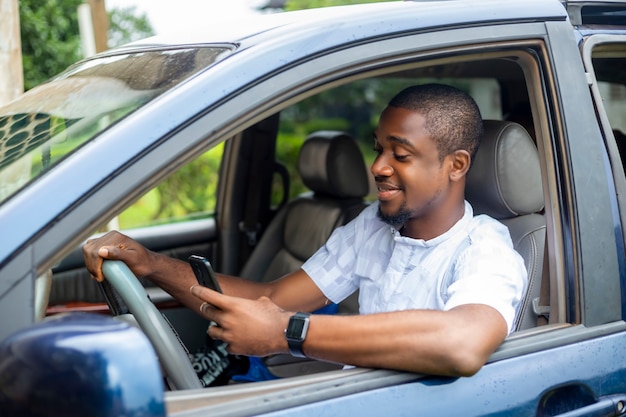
[126,25]
[312,4]
[51,39]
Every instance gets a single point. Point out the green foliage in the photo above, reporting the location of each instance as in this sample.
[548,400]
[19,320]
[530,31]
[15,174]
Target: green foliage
[188,193]
[192,188]
[49,35]
[333,123]
[125,26]
[51,39]
[312,4]
[353,108]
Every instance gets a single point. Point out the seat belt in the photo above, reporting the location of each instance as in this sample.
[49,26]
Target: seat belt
[251,224]
[260,183]
[541,305]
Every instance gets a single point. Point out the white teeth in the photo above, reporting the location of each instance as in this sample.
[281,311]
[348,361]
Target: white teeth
[387,188]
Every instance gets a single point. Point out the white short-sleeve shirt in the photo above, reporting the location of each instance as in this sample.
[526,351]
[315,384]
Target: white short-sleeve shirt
[472,263]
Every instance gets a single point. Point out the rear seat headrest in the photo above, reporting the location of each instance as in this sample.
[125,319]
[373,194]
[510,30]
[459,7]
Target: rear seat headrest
[331,163]
[505,178]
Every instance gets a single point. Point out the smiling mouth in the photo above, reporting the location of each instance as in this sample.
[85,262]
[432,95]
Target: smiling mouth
[387,191]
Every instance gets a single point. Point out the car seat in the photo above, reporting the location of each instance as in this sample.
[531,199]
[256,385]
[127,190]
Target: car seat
[504,182]
[332,167]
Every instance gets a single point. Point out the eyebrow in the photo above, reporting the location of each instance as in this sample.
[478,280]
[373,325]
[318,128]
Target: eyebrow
[396,139]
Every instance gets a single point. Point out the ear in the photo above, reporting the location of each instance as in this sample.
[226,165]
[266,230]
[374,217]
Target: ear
[461,161]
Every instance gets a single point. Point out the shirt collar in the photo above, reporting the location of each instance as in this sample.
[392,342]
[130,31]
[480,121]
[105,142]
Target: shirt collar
[458,226]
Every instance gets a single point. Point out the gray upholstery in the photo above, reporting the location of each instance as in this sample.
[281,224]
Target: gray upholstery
[331,165]
[505,178]
[505,183]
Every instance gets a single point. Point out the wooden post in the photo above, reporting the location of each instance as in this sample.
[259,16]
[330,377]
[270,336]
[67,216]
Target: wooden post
[100,21]
[12,79]
[11,86]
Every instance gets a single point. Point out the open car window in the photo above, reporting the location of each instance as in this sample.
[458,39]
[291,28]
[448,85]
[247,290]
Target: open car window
[354,108]
[188,194]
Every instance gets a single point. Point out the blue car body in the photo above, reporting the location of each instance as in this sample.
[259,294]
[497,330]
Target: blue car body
[575,365]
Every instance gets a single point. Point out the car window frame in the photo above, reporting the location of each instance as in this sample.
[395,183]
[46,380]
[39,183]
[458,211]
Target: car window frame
[190,140]
[568,297]
[216,123]
[618,174]
[614,169]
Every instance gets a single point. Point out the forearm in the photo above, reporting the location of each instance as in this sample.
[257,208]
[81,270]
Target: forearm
[455,342]
[176,277]
[433,342]
[173,275]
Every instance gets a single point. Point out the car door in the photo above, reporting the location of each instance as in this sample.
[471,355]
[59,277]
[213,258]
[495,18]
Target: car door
[574,362]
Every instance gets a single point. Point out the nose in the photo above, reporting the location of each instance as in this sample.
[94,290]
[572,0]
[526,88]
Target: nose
[380,167]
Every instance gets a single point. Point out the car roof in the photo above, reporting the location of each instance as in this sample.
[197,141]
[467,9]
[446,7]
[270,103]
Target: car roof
[390,17]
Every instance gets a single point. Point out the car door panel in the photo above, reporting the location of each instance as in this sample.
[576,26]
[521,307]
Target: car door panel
[547,382]
[71,281]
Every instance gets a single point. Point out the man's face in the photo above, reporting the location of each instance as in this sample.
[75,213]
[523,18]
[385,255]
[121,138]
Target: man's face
[412,182]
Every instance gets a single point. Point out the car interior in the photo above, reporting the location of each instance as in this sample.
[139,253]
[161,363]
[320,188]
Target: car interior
[281,186]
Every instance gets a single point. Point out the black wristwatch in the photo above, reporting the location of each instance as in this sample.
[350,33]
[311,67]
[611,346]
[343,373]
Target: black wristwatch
[295,333]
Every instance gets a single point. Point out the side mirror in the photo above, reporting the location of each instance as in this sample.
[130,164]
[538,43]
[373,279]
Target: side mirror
[80,364]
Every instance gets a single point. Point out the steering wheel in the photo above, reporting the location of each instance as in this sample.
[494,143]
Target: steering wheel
[172,355]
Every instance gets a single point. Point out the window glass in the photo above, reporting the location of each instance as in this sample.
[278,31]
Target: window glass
[609,61]
[614,99]
[52,120]
[190,193]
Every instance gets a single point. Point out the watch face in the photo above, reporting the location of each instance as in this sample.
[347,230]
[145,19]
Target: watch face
[297,326]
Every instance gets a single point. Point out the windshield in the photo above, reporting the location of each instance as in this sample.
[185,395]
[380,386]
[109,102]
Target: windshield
[52,120]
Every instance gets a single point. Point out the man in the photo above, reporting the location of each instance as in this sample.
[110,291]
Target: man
[439,288]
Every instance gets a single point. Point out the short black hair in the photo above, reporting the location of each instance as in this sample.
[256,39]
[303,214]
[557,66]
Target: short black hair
[453,119]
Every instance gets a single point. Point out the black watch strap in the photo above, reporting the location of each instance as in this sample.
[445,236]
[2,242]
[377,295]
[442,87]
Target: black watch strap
[295,333]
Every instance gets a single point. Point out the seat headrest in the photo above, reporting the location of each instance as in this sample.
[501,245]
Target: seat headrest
[505,178]
[331,163]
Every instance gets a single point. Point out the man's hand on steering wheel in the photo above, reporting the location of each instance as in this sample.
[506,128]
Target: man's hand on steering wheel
[116,246]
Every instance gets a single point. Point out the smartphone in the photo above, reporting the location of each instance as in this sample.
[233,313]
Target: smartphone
[204,272]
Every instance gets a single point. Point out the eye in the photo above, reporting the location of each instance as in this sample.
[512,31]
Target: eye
[377,148]
[400,158]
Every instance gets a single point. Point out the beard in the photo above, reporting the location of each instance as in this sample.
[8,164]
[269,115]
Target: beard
[397,219]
